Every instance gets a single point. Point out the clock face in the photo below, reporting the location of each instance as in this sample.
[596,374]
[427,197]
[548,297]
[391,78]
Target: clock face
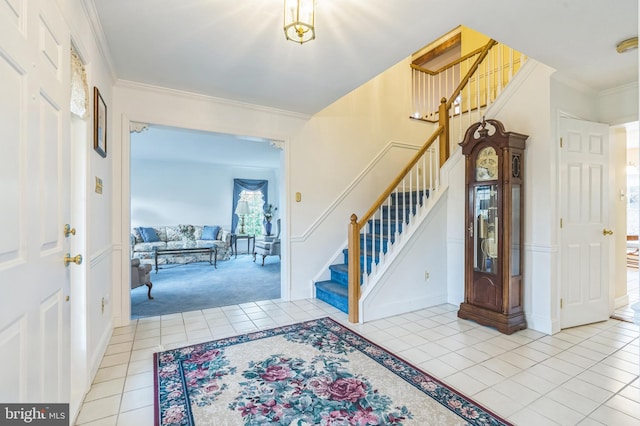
[487,164]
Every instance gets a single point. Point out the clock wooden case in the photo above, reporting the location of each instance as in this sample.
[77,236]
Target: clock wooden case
[493,228]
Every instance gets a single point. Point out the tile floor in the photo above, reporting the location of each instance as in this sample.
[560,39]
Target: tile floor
[585,375]
[625,312]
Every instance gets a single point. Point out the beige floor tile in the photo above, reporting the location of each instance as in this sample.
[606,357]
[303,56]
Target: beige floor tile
[122,338]
[528,377]
[99,409]
[135,399]
[144,334]
[588,390]
[625,405]
[138,417]
[529,417]
[104,389]
[609,416]
[503,405]
[124,330]
[138,381]
[117,348]
[107,421]
[464,383]
[559,412]
[112,360]
[136,367]
[110,373]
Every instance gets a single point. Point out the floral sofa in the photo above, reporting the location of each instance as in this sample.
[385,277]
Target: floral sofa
[144,240]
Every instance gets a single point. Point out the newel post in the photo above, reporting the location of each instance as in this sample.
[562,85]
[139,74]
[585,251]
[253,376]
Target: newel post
[443,118]
[354,269]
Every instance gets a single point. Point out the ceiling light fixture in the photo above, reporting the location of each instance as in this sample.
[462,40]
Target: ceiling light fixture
[299,20]
[628,44]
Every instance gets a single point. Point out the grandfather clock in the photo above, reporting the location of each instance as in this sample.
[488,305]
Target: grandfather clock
[493,228]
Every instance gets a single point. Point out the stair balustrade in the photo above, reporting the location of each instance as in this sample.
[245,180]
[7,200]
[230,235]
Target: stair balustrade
[371,239]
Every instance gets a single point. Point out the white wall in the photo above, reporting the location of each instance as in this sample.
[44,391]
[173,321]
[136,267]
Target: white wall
[404,286]
[330,167]
[197,193]
[619,105]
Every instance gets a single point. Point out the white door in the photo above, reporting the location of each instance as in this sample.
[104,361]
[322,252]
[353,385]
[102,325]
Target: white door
[34,193]
[584,234]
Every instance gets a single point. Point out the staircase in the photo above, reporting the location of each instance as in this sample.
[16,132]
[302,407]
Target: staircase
[376,239]
[380,235]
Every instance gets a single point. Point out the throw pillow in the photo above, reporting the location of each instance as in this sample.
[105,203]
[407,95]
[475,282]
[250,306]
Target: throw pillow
[210,232]
[149,235]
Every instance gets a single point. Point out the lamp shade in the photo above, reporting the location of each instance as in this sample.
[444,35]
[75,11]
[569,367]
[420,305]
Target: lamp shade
[299,20]
[242,208]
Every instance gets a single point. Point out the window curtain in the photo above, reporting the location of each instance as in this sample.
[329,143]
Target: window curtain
[79,87]
[240,185]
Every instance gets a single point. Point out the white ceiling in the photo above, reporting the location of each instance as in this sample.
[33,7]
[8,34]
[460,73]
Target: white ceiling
[160,143]
[237,50]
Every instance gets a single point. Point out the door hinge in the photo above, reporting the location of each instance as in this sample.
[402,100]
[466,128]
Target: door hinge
[560,142]
[561,303]
[561,223]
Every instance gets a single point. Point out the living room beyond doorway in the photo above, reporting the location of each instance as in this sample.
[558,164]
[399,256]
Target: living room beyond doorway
[182,188]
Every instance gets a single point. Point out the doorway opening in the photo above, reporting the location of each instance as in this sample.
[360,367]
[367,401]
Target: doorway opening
[182,182]
[633,222]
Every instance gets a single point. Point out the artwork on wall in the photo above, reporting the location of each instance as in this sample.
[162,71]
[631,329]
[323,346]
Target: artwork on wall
[99,123]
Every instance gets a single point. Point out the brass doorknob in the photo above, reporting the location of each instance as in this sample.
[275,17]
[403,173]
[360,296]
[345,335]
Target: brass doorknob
[606,232]
[68,230]
[75,259]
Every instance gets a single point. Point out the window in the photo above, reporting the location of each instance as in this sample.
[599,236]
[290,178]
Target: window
[253,221]
[255,192]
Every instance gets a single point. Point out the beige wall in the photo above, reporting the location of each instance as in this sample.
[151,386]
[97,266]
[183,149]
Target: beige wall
[332,165]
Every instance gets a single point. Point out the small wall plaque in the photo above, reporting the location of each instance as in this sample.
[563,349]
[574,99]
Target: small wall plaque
[98,185]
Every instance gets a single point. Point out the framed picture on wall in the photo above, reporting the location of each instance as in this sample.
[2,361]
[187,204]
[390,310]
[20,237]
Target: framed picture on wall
[99,123]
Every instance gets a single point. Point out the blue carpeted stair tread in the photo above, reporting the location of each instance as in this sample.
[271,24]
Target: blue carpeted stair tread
[334,294]
[380,232]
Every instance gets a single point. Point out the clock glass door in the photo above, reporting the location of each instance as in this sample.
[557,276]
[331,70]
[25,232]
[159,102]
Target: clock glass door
[486,224]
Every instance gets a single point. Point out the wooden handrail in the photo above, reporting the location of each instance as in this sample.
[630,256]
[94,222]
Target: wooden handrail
[469,74]
[449,65]
[353,269]
[387,192]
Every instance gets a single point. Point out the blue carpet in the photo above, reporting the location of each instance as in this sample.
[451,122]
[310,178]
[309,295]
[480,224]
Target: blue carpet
[198,286]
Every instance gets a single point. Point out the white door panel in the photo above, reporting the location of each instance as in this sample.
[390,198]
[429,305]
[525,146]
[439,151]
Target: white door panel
[584,250]
[34,187]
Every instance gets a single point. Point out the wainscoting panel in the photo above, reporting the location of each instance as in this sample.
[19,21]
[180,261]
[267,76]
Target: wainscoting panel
[14,356]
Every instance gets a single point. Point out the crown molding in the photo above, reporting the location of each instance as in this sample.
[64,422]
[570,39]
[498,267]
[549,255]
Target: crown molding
[128,84]
[90,11]
[620,89]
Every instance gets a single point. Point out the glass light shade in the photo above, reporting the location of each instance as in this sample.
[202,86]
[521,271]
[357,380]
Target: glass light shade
[242,208]
[299,20]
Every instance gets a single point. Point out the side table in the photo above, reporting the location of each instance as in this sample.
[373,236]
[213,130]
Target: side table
[251,240]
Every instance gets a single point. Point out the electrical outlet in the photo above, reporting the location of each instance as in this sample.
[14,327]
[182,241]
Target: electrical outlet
[426,275]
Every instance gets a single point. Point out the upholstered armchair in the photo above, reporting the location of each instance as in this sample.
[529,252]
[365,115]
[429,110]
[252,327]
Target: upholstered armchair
[268,245]
[141,275]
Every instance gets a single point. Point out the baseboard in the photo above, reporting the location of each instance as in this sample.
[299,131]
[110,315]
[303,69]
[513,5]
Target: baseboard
[542,324]
[621,301]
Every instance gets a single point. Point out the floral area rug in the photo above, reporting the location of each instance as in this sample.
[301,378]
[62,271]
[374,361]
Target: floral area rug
[313,373]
